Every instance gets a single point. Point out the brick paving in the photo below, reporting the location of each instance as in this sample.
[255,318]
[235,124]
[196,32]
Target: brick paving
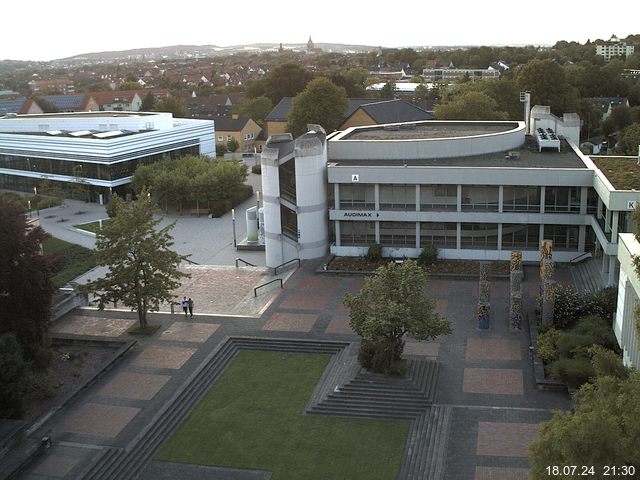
[94,326]
[164,357]
[506,439]
[501,473]
[135,386]
[493,381]
[484,377]
[189,331]
[99,419]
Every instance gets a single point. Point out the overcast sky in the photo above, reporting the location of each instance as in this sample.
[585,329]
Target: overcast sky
[46,30]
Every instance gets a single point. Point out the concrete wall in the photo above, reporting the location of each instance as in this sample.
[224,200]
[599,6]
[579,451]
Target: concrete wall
[628,293]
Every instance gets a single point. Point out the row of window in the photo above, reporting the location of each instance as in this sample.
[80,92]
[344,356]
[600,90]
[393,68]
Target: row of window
[480,236]
[473,198]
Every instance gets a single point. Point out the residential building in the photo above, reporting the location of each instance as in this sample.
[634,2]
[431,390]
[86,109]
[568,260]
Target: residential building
[209,106]
[387,111]
[243,129]
[59,85]
[614,48]
[606,104]
[73,103]
[450,75]
[120,101]
[100,150]
[20,105]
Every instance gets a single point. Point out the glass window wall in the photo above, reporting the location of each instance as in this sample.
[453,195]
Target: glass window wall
[562,200]
[564,237]
[481,236]
[520,199]
[398,234]
[438,197]
[397,197]
[520,237]
[357,197]
[480,197]
[357,233]
[442,235]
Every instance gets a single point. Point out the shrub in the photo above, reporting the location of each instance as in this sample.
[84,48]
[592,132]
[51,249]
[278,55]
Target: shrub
[607,363]
[573,371]
[376,358]
[596,327]
[568,306]
[428,256]
[374,254]
[257,169]
[548,345]
[221,149]
[13,369]
[602,303]
[572,345]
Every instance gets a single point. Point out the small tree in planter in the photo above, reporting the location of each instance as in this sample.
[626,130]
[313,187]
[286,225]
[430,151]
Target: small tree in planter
[428,256]
[390,306]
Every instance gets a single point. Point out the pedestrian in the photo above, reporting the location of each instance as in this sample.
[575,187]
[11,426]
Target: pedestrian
[185,305]
[190,304]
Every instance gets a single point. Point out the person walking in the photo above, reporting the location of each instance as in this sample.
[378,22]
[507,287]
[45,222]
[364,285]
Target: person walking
[185,305]
[190,304]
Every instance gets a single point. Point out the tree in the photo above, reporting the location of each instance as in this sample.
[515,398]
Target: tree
[13,371]
[547,82]
[172,105]
[45,105]
[421,94]
[285,81]
[470,106]
[321,103]
[389,306]
[233,145]
[256,109]
[603,430]
[143,270]
[26,288]
[629,140]
[388,91]
[148,103]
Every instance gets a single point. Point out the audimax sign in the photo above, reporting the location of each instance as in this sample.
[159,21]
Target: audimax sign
[361,215]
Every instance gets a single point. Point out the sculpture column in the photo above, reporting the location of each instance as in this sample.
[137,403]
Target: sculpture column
[516,275]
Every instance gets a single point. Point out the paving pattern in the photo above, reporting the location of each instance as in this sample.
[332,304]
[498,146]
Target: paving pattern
[486,408]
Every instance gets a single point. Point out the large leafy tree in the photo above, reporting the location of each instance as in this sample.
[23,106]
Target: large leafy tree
[256,109]
[172,105]
[548,84]
[389,306]
[321,103]
[470,106]
[629,140]
[26,288]
[287,80]
[143,270]
[603,430]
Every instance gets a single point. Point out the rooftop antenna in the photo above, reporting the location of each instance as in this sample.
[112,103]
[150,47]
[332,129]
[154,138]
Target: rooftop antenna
[525,97]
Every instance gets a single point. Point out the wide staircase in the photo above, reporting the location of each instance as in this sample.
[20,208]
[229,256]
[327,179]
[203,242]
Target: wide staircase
[586,275]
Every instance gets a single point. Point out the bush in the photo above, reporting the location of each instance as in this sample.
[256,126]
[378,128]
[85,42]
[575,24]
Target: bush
[374,254]
[428,256]
[606,363]
[573,371]
[572,345]
[568,306]
[375,357]
[13,370]
[257,169]
[548,345]
[221,149]
[599,329]
[602,303]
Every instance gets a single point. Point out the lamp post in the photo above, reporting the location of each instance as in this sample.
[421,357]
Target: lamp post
[257,200]
[233,221]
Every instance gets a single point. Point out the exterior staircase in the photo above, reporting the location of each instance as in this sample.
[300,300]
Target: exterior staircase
[586,275]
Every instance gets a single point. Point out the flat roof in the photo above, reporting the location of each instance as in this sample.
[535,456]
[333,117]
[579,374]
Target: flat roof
[527,156]
[429,130]
[622,172]
[108,114]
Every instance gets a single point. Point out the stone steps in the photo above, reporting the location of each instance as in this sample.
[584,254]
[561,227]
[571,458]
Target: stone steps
[425,451]
[586,275]
[127,464]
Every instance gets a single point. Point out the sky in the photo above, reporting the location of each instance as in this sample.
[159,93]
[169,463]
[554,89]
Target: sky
[46,30]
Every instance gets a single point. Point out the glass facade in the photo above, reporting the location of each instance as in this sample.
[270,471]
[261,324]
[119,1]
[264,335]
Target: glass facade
[520,199]
[397,197]
[564,237]
[398,234]
[442,235]
[521,237]
[438,197]
[562,200]
[357,197]
[289,220]
[480,198]
[357,233]
[481,236]
[287,175]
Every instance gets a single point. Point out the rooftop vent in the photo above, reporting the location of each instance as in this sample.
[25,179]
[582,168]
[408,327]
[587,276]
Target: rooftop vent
[547,139]
[80,133]
[110,134]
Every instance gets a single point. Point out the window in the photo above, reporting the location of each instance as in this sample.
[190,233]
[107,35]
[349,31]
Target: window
[520,237]
[442,235]
[287,173]
[520,199]
[357,197]
[479,236]
[562,200]
[564,237]
[398,234]
[438,197]
[397,197]
[480,197]
[289,220]
[357,233]
[220,138]
[229,138]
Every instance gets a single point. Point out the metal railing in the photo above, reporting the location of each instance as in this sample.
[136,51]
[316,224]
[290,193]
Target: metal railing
[275,269]
[580,257]
[238,259]
[255,290]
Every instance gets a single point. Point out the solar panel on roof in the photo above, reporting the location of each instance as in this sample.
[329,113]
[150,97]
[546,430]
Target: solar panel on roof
[80,133]
[54,132]
[111,134]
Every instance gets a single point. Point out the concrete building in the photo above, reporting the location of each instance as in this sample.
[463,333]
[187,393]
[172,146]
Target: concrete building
[624,325]
[475,190]
[614,48]
[100,150]
[450,75]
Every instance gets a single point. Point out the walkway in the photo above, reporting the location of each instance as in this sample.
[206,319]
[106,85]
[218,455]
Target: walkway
[486,380]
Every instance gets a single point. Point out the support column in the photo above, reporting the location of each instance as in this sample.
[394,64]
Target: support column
[378,233]
[417,198]
[500,199]
[458,236]
[418,242]
[582,237]
[336,196]
[337,232]
[459,199]
[542,195]
[612,271]
[584,194]
[614,226]
[607,221]
[499,236]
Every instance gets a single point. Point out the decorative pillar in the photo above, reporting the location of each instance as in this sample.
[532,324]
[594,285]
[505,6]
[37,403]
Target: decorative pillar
[515,292]
[484,298]
[548,302]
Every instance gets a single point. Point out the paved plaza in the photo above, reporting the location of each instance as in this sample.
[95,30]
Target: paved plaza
[485,377]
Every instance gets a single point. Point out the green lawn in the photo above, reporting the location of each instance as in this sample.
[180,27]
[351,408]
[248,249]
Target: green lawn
[92,226]
[76,260]
[253,417]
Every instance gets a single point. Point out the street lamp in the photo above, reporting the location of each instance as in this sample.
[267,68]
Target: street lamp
[233,221]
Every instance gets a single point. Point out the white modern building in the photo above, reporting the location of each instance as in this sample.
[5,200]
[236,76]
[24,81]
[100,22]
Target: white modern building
[98,149]
[624,325]
[475,190]
[614,48]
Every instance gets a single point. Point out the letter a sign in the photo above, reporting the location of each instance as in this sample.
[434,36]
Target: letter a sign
[355,177]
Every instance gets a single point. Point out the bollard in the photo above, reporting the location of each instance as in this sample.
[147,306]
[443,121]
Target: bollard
[172,308]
